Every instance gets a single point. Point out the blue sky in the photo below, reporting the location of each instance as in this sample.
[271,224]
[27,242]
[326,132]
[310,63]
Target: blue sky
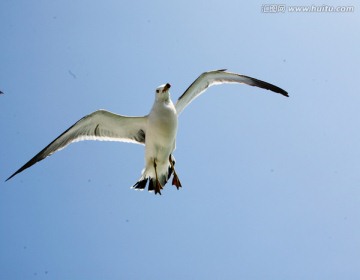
[270,184]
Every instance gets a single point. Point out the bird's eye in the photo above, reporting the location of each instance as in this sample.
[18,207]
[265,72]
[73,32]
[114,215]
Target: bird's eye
[157,91]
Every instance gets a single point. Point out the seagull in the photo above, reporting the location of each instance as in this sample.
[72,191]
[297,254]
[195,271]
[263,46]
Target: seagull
[157,130]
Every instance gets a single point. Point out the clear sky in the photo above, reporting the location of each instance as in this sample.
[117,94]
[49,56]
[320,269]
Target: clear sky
[271,185]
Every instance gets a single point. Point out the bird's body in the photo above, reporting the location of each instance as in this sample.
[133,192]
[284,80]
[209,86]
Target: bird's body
[161,130]
[157,130]
[160,139]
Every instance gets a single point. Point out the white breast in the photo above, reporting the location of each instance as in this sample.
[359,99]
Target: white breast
[161,131]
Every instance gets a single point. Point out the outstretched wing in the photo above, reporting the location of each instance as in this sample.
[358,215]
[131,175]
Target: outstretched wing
[218,77]
[100,125]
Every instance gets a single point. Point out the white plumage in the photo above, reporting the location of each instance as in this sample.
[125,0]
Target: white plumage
[157,130]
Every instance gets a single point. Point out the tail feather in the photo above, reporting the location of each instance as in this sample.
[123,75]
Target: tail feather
[141,184]
[148,178]
[152,185]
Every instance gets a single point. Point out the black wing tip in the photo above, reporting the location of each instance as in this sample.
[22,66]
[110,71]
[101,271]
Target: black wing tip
[17,172]
[278,90]
[283,92]
[11,176]
[273,88]
[30,163]
[268,86]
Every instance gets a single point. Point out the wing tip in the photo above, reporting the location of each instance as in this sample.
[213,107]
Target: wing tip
[278,90]
[275,89]
[30,163]
[283,92]
[25,166]
[11,176]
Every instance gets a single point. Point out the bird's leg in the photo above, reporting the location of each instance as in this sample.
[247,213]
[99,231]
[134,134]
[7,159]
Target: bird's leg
[158,186]
[175,181]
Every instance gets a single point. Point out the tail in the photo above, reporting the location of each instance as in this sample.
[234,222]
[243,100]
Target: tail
[148,178]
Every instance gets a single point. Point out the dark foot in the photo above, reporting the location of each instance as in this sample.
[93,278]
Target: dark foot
[158,186]
[175,181]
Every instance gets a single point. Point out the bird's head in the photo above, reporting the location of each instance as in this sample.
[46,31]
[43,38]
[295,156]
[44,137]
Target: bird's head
[162,92]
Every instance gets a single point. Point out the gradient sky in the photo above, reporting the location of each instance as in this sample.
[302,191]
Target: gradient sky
[271,185]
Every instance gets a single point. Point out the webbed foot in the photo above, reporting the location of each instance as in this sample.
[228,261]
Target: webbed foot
[175,181]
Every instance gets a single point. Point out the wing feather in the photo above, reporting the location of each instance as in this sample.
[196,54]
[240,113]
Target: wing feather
[100,125]
[218,77]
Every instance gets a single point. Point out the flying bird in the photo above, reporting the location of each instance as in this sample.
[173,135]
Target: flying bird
[157,130]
